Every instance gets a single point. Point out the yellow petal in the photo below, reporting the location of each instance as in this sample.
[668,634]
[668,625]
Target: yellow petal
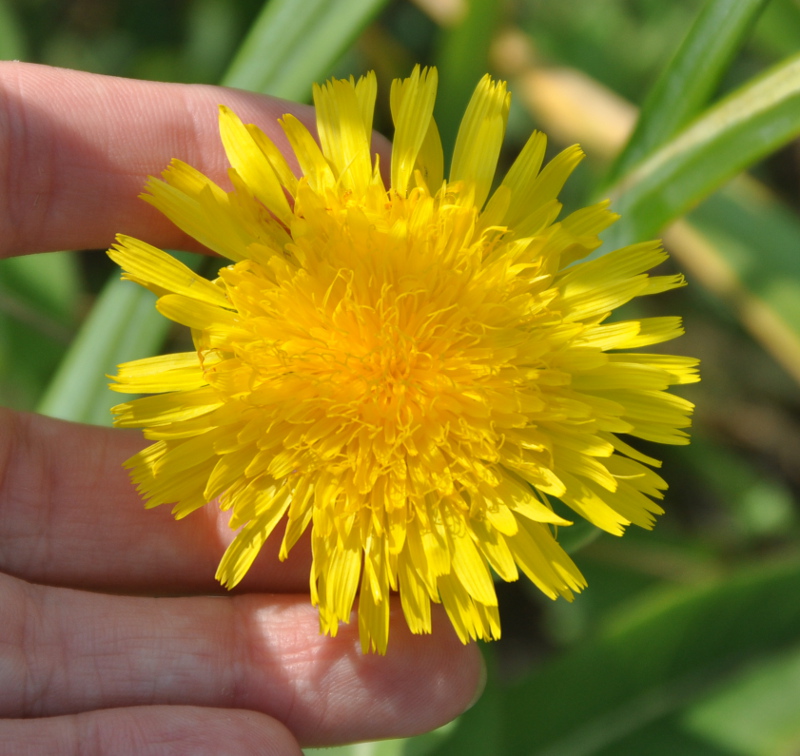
[169,372]
[193,313]
[166,409]
[252,165]
[343,134]
[679,368]
[366,94]
[342,577]
[592,505]
[530,549]
[480,137]
[553,176]
[469,621]
[470,568]
[275,157]
[521,499]
[154,266]
[520,181]
[373,620]
[197,206]
[430,160]
[412,102]
[654,331]
[583,227]
[241,554]
[494,547]
[312,162]
[413,596]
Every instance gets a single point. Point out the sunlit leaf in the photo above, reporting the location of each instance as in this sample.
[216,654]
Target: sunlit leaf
[12,38]
[120,327]
[293,44]
[657,658]
[741,244]
[691,77]
[755,120]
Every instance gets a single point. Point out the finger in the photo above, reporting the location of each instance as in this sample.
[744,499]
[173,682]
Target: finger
[68,651]
[149,731]
[76,149]
[71,517]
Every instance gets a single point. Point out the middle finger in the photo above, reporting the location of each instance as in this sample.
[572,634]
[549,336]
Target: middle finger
[71,517]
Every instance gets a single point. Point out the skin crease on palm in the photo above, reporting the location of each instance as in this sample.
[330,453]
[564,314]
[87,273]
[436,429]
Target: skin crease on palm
[115,637]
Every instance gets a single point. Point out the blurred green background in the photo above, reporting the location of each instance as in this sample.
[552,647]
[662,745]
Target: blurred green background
[687,640]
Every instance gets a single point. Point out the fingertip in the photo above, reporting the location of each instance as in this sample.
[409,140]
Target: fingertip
[438,677]
[421,683]
[76,176]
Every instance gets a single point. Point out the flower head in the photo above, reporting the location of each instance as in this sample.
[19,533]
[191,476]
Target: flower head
[411,372]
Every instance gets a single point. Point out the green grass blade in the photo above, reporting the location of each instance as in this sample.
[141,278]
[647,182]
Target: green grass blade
[754,713]
[38,294]
[755,120]
[120,327]
[757,712]
[691,78]
[741,245]
[666,653]
[49,282]
[292,44]
[13,44]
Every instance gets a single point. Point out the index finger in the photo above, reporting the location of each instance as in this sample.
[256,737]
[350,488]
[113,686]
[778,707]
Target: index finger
[76,150]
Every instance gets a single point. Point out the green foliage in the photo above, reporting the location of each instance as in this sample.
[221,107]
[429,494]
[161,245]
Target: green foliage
[291,45]
[691,77]
[750,123]
[12,41]
[120,325]
[687,640]
[670,652]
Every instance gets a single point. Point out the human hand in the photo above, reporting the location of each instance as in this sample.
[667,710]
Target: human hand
[111,641]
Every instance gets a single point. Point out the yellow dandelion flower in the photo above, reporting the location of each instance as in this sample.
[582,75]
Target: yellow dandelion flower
[411,372]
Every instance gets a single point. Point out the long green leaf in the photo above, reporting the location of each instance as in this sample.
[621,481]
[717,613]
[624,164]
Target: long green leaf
[663,655]
[741,244]
[120,327]
[12,39]
[50,282]
[37,319]
[686,84]
[758,712]
[292,44]
[754,712]
[752,122]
